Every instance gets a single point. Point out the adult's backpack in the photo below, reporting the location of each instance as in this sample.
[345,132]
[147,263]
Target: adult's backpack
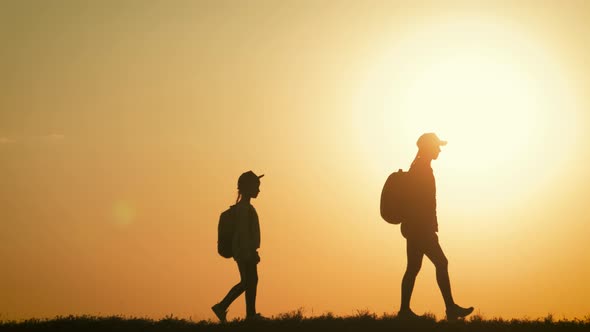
[395,197]
[225,232]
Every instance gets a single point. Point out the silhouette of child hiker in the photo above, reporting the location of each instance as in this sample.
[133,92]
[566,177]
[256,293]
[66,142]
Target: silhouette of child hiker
[420,225]
[242,240]
[239,236]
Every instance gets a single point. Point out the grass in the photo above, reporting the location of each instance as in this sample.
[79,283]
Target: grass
[296,321]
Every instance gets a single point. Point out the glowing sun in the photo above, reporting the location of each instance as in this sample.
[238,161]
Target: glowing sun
[497,93]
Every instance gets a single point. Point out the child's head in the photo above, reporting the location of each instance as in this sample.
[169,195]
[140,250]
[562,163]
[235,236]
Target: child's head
[249,184]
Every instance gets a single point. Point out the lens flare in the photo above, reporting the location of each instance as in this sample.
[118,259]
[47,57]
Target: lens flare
[123,213]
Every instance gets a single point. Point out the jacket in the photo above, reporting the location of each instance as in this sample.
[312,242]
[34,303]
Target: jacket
[421,213]
[246,238]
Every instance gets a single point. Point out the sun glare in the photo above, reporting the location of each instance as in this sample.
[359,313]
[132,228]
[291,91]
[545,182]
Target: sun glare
[497,94]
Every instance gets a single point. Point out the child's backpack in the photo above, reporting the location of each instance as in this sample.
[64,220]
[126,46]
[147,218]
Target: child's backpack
[225,232]
[395,197]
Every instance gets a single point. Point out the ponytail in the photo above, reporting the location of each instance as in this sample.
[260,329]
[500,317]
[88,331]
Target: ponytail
[238,198]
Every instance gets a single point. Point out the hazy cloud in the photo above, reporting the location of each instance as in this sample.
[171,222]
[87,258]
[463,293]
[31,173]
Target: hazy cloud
[54,137]
[49,138]
[6,140]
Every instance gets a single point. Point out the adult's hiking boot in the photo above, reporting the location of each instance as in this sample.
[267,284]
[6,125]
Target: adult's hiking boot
[456,312]
[407,314]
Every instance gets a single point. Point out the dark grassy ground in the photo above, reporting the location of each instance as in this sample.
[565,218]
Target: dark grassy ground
[296,321]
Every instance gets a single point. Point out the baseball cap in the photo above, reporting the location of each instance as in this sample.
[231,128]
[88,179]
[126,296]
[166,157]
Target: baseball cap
[430,139]
[248,179]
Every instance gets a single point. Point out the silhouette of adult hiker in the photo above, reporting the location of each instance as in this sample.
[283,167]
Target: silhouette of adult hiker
[244,244]
[420,226]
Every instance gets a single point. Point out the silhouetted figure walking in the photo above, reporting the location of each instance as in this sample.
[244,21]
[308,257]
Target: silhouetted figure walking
[420,227]
[245,243]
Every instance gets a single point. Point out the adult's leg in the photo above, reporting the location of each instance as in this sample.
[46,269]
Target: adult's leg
[415,256]
[434,252]
[250,276]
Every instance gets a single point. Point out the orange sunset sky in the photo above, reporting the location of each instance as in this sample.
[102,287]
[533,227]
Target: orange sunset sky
[124,126]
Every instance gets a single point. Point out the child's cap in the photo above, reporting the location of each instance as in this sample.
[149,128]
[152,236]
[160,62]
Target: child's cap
[248,179]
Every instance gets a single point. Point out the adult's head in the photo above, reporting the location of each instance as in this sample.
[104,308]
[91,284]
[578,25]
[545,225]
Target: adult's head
[429,146]
[249,184]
